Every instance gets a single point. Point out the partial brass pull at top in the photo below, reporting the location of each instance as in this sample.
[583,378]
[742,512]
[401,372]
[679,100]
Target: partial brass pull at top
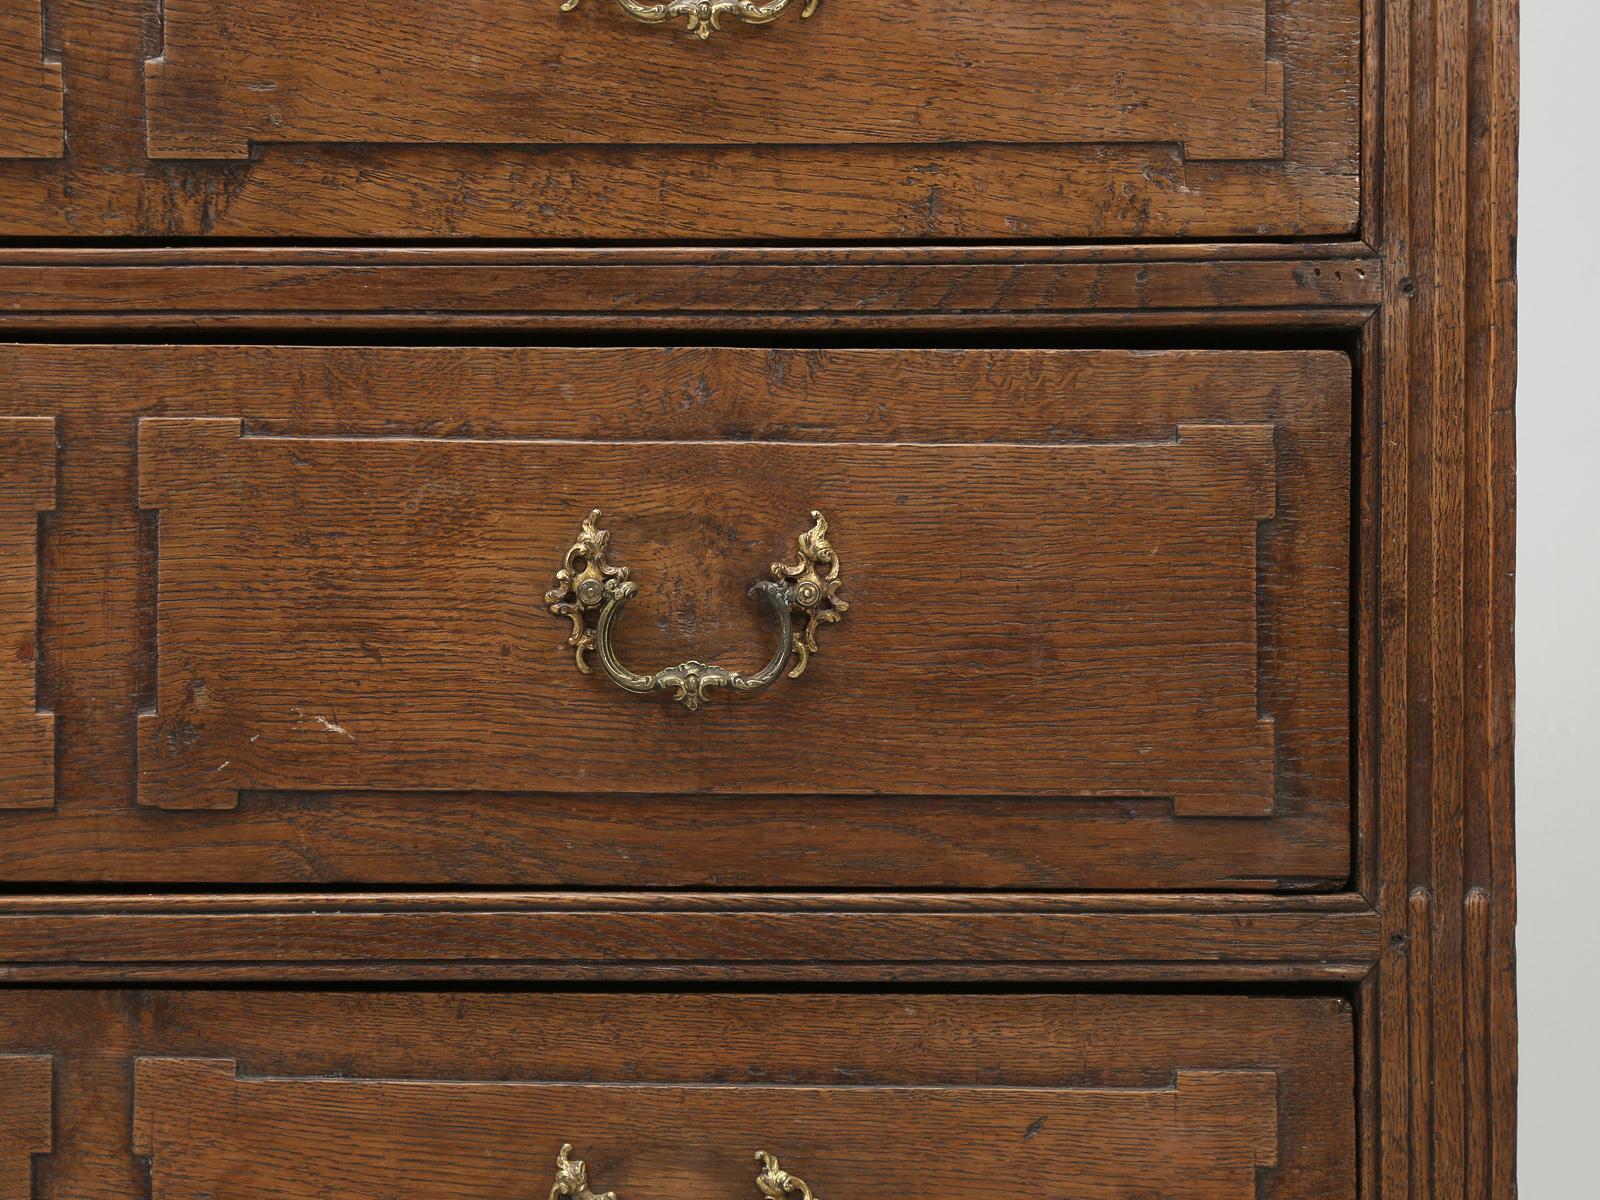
[802,596]
[572,1180]
[704,16]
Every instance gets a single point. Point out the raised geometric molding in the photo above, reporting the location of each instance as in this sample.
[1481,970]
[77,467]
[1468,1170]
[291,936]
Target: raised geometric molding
[27,488]
[31,123]
[333,614]
[481,72]
[26,1120]
[202,1126]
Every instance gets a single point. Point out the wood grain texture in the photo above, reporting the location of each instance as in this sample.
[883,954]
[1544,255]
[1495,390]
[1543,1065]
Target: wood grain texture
[365,614]
[667,941]
[777,254]
[31,89]
[1043,403]
[634,289]
[27,1114]
[210,1132]
[1445,1036]
[641,900]
[851,1109]
[686,936]
[1219,118]
[27,734]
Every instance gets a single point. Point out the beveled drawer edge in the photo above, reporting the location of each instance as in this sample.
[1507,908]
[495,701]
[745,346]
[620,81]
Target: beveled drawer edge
[305,941]
[432,288]
[195,252]
[193,901]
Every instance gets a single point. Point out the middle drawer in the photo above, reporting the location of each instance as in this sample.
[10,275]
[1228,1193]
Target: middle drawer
[1075,619]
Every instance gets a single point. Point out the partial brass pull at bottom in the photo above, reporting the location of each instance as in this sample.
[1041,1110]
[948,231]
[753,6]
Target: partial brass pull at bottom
[802,596]
[773,1182]
[705,16]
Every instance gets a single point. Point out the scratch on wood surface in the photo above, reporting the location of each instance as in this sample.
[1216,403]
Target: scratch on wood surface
[333,727]
[324,723]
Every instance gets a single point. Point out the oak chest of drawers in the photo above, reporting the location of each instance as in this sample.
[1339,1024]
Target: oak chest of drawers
[804,600]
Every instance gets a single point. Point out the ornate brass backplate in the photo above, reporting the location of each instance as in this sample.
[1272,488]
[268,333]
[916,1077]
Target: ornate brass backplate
[704,16]
[803,596]
[775,1183]
[572,1180]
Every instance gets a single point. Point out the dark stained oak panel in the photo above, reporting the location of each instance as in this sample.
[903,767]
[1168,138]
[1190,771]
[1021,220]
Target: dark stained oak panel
[356,1095]
[365,535]
[348,613]
[870,121]
[30,85]
[27,488]
[209,1132]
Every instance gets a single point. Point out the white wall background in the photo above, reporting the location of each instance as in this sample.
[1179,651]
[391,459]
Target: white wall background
[1558,602]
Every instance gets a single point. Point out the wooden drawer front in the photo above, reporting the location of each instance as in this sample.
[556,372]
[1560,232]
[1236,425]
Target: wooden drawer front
[872,119]
[344,1096]
[1096,636]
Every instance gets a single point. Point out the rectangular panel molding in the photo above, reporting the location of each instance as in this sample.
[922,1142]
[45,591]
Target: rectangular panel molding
[210,1132]
[233,72]
[27,488]
[31,123]
[367,613]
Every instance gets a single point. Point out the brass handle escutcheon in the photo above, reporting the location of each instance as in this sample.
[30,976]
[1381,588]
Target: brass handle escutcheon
[802,596]
[572,1180]
[704,16]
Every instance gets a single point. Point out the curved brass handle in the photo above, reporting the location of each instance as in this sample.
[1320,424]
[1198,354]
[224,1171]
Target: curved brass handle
[704,16]
[572,1179]
[802,596]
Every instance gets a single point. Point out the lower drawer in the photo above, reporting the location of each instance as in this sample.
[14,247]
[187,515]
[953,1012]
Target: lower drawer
[219,1094]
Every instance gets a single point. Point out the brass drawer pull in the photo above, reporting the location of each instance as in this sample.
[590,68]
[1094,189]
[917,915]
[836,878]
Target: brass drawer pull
[802,596]
[572,1179]
[706,15]
[774,1182]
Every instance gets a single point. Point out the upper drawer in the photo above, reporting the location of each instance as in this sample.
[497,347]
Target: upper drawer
[867,119]
[1096,634]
